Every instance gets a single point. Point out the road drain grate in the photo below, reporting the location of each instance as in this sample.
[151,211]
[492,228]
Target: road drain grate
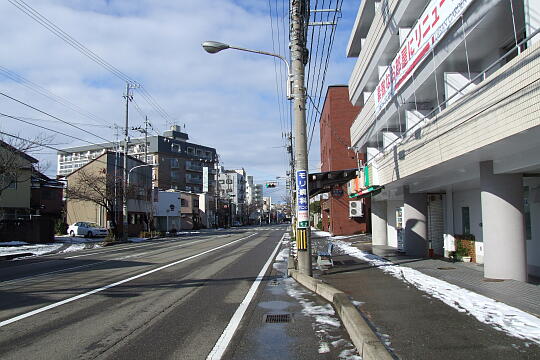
[277,318]
[446,268]
[493,280]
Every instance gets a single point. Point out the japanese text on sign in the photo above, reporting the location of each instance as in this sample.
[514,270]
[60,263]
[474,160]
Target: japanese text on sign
[302,198]
[431,27]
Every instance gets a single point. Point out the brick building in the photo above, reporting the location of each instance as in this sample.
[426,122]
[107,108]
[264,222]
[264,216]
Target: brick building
[336,119]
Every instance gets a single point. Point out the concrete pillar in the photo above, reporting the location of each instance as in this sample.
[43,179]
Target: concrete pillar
[378,223]
[415,222]
[503,226]
[449,241]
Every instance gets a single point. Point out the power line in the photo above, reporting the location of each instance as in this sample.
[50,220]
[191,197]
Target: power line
[45,128]
[19,79]
[46,23]
[74,43]
[52,116]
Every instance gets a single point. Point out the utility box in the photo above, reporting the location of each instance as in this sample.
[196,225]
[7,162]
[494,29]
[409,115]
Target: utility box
[355,208]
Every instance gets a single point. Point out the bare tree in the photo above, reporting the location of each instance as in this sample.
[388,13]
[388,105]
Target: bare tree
[16,165]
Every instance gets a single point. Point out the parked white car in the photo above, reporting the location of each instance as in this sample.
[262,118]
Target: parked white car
[88,229]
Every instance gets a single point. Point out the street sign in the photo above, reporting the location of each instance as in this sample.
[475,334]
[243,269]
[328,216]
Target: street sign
[302,199]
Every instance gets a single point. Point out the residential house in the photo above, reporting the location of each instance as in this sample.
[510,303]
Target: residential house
[15,182]
[109,168]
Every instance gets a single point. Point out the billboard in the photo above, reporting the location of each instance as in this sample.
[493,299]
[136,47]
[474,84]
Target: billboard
[431,27]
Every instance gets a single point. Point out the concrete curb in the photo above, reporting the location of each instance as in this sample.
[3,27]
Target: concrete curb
[369,346]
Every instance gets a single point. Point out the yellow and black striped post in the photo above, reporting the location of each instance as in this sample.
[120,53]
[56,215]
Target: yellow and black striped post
[301,239]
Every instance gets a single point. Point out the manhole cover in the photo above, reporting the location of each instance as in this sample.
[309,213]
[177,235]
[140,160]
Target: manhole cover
[277,318]
[274,283]
[493,280]
[446,268]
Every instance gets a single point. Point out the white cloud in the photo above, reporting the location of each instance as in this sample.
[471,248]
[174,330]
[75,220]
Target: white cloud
[226,100]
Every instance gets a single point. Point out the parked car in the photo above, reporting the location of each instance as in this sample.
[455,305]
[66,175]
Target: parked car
[88,229]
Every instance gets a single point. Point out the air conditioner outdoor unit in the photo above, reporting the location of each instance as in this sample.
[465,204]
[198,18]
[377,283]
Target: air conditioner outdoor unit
[355,208]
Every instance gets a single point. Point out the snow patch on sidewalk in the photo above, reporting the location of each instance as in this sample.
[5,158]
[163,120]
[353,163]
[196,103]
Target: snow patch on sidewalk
[325,319]
[503,317]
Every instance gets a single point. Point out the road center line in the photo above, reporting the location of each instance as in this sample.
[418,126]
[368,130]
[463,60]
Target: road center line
[225,338]
[80,296]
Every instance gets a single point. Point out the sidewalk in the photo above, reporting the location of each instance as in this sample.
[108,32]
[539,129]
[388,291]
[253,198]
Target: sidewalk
[423,308]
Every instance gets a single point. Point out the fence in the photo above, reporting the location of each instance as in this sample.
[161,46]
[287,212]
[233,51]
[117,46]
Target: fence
[38,229]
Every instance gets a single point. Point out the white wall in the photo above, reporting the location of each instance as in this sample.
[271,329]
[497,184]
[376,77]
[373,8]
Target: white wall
[391,221]
[470,198]
[165,199]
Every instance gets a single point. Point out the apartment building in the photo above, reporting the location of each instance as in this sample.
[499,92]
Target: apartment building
[449,91]
[180,164]
[336,154]
[232,187]
[254,200]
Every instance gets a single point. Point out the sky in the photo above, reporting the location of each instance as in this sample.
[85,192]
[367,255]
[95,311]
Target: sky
[229,101]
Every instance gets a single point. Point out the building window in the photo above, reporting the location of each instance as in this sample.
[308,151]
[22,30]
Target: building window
[174,163]
[465,221]
[209,154]
[190,150]
[183,202]
[175,148]
[175,174]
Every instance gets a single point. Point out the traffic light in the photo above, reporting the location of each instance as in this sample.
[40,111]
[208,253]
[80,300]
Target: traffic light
[270,184]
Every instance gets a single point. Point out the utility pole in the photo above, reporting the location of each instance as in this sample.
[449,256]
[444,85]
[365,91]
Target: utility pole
[128,98]
[145,132]
[299,23]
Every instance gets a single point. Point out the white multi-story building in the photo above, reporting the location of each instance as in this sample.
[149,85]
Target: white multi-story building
[254,199]
[450,122]
[232,186]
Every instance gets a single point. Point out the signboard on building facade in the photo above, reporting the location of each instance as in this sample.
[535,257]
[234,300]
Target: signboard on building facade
[205,179]
[436,20]
[302,199]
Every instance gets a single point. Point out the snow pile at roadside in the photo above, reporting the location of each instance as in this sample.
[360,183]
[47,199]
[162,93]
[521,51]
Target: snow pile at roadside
[66,239]
[37,249]
[503,317]
[12,243]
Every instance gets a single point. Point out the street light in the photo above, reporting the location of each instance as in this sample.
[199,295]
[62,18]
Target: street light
[213,47]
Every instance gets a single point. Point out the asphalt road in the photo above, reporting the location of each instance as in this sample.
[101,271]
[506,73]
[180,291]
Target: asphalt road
[165,299]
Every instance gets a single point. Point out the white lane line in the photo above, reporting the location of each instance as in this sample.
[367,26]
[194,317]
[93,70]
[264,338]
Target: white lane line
[135,246]
[225,338]
[32,277]
[80,296]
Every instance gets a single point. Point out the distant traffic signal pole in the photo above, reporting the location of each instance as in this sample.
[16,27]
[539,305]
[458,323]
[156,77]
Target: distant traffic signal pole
[299,18]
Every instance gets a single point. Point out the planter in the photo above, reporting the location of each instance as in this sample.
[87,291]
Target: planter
[466,258]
